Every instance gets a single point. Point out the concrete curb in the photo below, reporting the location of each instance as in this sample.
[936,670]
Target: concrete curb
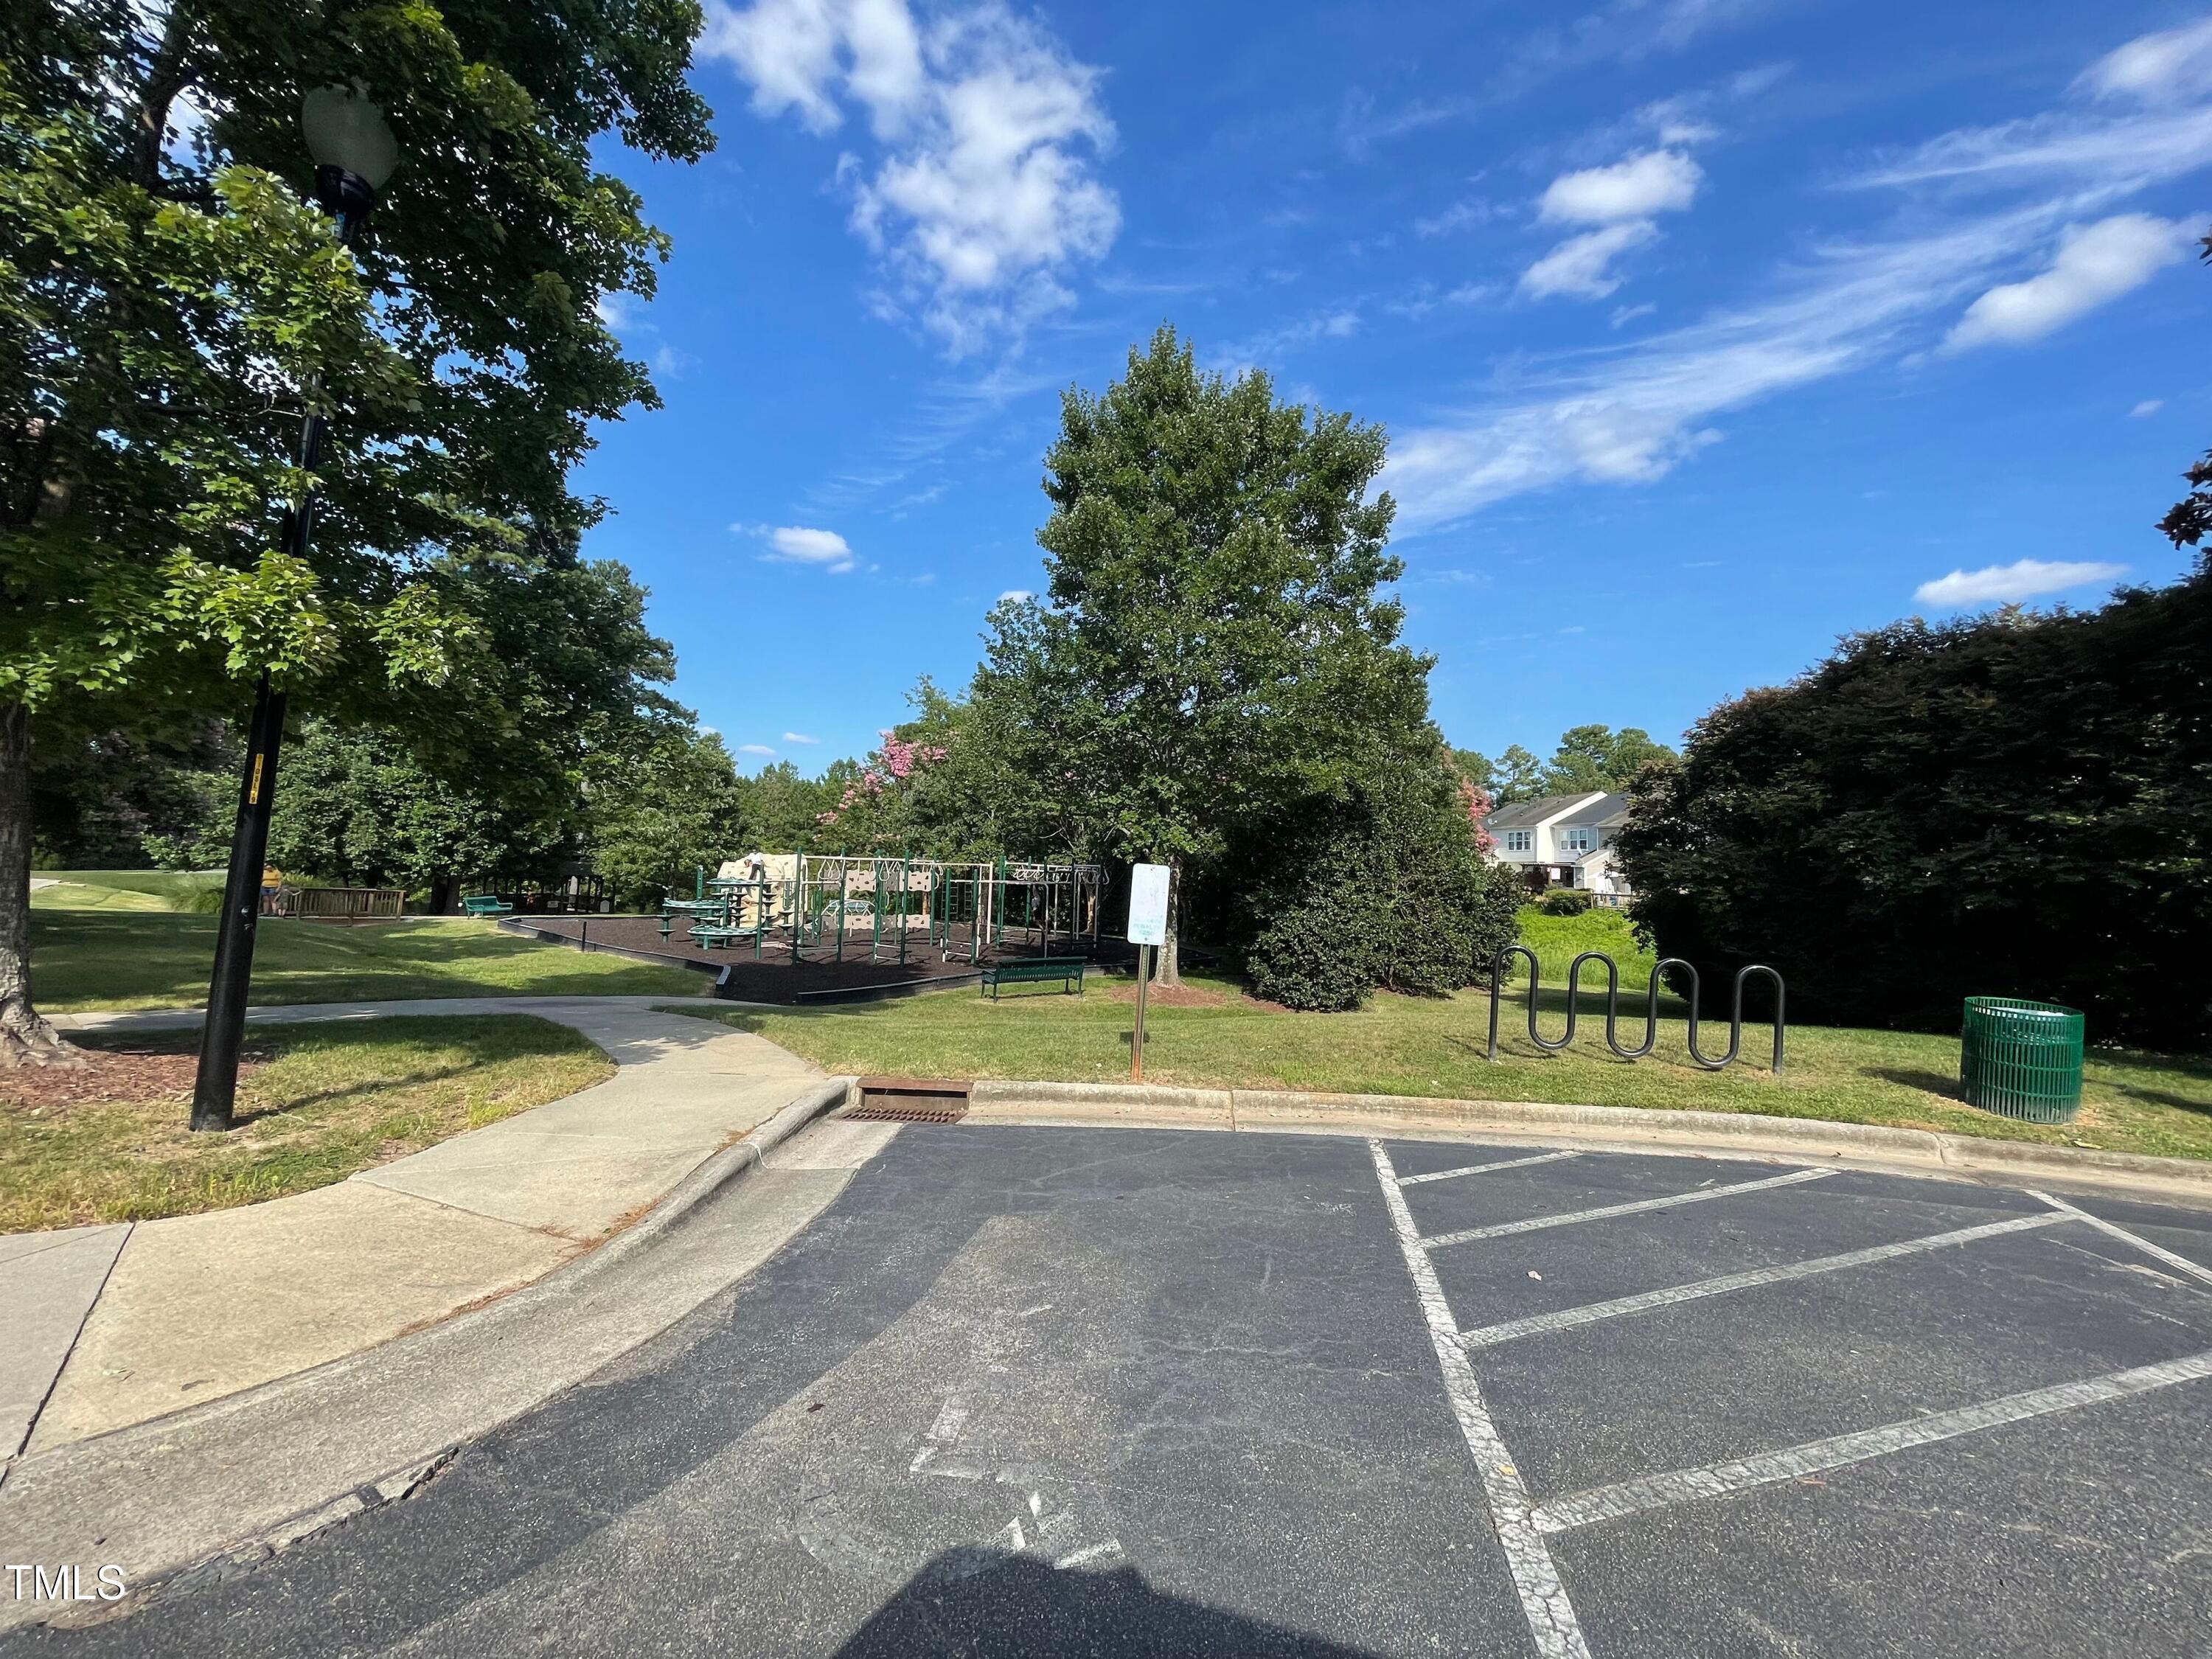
[1740,1135]
[1102,1102]
[720,1169]
[82,1486]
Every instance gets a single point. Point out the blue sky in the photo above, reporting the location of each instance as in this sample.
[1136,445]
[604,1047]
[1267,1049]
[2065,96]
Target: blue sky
[1705,330]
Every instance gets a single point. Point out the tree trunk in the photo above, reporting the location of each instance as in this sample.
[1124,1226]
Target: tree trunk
[1167,960]
[25,1039]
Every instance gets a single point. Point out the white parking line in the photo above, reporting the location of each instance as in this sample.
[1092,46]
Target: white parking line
[1537,1224]
[1591,1313]
[2203,1274]
[1096,1552]
[1551,1616]
[1794,1462]
[1477,1168]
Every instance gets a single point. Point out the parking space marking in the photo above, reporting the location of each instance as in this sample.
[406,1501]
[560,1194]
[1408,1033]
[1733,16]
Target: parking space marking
[1551,1616]
[1794,1462]
[1591,1313]
[1477,1168]
[1640,1206]
[2203,1275]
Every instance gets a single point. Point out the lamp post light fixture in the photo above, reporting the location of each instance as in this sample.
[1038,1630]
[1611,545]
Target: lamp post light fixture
[354,153]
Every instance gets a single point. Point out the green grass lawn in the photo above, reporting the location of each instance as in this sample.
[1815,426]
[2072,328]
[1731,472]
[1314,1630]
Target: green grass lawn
[316,1103]
[127,890]
[112,958]
[1557,940]
[1398,1045]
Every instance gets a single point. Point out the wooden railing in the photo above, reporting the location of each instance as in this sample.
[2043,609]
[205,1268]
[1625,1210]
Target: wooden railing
[336,904]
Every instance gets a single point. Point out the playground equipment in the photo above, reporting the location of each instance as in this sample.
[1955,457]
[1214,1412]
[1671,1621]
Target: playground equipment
[1650,1007]
[837,906]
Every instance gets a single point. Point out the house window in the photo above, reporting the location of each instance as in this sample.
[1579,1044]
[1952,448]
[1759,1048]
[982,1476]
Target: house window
[1520,841]
[1581,840]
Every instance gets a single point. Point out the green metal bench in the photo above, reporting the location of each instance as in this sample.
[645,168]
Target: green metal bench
[1033,970]
[707,935]
[485,904]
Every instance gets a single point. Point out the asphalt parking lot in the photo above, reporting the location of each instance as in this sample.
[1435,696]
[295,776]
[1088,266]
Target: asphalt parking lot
[1126,1391]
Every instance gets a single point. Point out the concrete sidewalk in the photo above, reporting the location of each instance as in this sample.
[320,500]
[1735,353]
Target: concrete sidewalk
[114,1325]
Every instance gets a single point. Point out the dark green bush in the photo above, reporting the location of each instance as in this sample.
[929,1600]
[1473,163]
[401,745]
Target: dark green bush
[1318,955]
[1388,889]
[1564,902]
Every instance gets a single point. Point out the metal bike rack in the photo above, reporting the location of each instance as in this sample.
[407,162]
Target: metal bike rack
[1650,1007]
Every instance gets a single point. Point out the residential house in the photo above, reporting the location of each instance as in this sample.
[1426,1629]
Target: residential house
[1570,838]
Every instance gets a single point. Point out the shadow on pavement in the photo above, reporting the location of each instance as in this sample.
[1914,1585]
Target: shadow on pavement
[990,1604]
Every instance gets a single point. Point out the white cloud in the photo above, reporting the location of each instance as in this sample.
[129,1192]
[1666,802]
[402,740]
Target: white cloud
[2174,64]
[2149,406]
[1460,216]
[984,191]
[1633,413]
[1658,181]
[2008,584]
[795,736]
[1620,200]
[1626,31]
[2096,264]
[1237,357]
[754,749]
[1581,265]
[794,544]
[2117,154]
[786,48]
[1017,595]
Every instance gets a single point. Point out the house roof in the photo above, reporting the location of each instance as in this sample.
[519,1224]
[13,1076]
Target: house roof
[1526,814]
[1603,813]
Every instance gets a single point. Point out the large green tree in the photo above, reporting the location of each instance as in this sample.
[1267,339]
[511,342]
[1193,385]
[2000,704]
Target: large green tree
[660,808]
[123,799]
[1215,640]
[1591,757]
[356,807]
[171,308]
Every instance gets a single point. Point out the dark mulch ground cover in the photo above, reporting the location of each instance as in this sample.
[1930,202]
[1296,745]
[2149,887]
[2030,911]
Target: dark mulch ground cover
[111,1068]
[775,977]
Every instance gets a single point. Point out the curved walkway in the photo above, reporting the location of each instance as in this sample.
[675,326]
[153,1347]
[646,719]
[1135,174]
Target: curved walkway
[124,1322]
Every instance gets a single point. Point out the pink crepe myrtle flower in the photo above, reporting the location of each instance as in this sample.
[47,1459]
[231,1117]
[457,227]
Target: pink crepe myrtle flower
[902,757]
[1477,805]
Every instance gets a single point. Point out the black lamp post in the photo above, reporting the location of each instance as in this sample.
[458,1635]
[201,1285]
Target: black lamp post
[354,153]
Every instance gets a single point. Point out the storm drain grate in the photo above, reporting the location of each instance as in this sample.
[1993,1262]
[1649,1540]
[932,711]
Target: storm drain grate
[915,1112]
[911,1100]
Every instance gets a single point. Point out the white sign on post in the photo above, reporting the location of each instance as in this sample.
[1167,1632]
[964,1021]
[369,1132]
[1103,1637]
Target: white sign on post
[1148,904]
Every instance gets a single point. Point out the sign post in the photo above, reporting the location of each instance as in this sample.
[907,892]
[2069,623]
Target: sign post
[1148,931]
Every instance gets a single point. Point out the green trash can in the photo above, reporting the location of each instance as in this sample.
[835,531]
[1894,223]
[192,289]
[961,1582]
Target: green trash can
[2021,1058]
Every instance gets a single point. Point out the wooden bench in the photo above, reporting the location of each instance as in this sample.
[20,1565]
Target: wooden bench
[485,904]
[1033,970]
